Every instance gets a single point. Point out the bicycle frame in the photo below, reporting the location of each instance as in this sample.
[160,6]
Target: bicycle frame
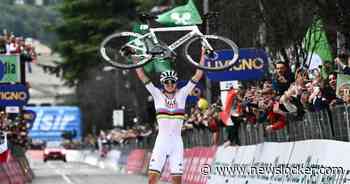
[152,35]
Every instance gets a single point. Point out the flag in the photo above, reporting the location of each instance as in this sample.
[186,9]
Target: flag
[317,47]
[225,115]
[155,65]
[3,143]
[181,16]
[4,151]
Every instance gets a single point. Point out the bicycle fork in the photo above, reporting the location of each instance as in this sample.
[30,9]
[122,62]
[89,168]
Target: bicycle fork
[208,48]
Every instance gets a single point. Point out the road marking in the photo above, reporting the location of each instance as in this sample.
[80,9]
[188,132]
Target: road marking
[60,172]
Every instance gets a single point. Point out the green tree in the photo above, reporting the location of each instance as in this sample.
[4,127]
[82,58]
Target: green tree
[85,24]
[7,1]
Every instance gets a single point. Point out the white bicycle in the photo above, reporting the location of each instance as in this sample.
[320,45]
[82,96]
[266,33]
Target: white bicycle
[119,48]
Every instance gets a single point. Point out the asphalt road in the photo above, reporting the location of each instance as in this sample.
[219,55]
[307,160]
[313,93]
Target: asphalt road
[58,172]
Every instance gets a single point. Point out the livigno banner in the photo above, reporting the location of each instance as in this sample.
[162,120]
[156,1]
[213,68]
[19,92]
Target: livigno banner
[251,65]
[10,69]
[13,95]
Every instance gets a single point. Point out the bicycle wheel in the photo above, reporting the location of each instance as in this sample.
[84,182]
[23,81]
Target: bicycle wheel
[120,49]
[213,44]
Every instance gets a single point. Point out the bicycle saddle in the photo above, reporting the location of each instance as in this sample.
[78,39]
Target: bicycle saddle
[146,16]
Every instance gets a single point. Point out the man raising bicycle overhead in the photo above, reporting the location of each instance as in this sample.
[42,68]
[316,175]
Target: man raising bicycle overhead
[170,108]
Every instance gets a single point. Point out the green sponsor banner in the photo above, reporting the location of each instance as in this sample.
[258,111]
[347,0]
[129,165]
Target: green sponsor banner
[10,71]
[181,16]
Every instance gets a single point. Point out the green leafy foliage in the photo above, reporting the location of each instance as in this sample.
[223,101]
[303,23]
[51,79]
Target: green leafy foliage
[85,24]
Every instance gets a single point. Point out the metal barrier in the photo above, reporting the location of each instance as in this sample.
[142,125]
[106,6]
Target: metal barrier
[196,136]
[328,124]
[191,137]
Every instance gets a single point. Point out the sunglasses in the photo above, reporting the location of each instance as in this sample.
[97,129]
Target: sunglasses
[169,82]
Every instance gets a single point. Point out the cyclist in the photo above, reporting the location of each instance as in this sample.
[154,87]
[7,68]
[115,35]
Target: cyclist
[170,108]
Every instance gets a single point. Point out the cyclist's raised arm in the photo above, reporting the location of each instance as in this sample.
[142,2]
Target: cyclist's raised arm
[155,92]
[141,74]
[195,79]
[199,72]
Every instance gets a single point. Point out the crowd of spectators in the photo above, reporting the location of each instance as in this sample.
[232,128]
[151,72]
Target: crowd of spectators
[15,129]
[204,116]
[117,137]
[269,101]
[14,125]
[124,136]
[11,44]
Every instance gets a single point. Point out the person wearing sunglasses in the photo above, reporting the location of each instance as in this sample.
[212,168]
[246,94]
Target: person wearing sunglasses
[170,112]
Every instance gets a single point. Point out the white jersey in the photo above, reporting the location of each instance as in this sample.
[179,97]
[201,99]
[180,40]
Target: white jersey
[170,116]
[170,111]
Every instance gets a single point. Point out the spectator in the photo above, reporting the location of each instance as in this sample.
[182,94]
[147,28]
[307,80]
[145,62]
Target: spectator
[318,101]
[2,45]
[9,44]
[275,117]
[291,99]
[13,45]
[304,100]
[282,78]
[340,61]
[344,93]
[330,91]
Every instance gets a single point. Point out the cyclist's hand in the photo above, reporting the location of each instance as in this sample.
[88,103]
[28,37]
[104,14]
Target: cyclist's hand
[135,59]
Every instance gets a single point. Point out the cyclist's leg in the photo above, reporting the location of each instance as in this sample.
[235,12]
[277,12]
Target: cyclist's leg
[176,162]
[153,178]
[176,179]
[157,162]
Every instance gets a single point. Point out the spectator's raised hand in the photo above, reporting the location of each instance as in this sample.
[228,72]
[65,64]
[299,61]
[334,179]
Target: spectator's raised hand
[269,128]
[338,61]
[282,79]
